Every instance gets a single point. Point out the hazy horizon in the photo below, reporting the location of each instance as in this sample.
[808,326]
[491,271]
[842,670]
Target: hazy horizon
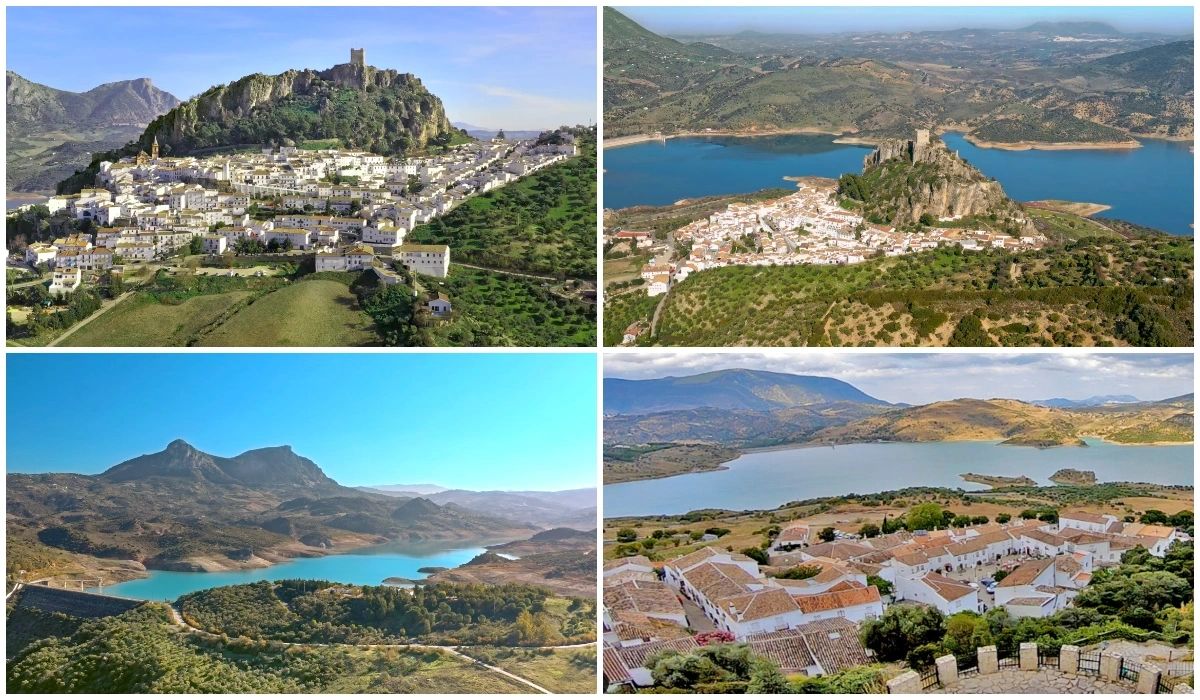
[921,378]
[685,21]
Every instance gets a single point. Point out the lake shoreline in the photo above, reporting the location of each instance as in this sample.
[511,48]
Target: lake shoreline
[131,571]
[633,139]
[1053,145]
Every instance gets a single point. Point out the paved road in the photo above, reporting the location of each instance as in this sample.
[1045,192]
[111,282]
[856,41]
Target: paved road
[663,302]
[104,307]
[178,618]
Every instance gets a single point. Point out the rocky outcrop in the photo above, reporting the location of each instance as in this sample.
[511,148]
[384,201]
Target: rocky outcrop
[911,180]
[415,111]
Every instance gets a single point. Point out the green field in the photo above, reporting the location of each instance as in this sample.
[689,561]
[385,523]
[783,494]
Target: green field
[310,313]
[140,321]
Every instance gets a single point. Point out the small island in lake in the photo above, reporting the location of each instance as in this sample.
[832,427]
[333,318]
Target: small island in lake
[432,569]
[1074,477]
[997,481]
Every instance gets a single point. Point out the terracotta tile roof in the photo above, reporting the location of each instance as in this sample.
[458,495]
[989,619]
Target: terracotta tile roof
[947,588]
[838,550]
[834,644]
[1067,564]
[685,562]
[836,600]
[639,560]
[635,656]
[1045,537]
[1159,532]
[787,649]
[1026,573]
[1083,536]
[1083,517]
[1031,600]
[631,625]
[615,671]
[758,605]
[911,558]
[626,576]
[642,596]
[713,582]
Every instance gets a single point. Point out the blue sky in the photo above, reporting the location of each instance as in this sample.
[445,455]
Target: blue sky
[923,377]
[823,20]
[498,67]
[461,420]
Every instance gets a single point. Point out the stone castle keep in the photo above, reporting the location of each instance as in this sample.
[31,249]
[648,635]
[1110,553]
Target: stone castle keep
[358,57]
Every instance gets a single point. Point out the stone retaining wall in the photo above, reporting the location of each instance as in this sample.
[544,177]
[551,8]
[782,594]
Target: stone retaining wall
[1031,672]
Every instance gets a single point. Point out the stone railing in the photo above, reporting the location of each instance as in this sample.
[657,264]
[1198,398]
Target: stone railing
[1106,666]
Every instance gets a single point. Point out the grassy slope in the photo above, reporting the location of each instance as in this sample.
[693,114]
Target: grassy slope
[310,313]
[557,670]
[139,321]
[544,223]
[514,310]
[1059,296]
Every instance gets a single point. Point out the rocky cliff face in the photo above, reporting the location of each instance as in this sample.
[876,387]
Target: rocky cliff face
[386,103]
[120,103]
[921,177]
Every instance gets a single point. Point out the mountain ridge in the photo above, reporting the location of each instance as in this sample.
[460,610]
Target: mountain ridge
[755,390]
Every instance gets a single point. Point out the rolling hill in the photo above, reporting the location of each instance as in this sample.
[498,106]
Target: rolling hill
[1020,423]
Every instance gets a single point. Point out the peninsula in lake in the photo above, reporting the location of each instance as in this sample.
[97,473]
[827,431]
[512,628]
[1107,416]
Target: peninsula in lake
[931,188]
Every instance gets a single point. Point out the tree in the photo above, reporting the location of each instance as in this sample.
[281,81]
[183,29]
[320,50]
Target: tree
[626,534]
[827,534]
[961,521]
[884,585]
[757,554]
[901,628]
[925,516]
[1003,518]
[500,134]
[196,245]
[799,573]
[765,677]
[869,530]
[892,525]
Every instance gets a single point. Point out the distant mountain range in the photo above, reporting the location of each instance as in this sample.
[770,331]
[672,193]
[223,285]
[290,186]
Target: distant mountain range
[1052,82]
[732,389]
[574,508]
[486,133]
[1089,401]
[184,509]
[51,132]
[748,408]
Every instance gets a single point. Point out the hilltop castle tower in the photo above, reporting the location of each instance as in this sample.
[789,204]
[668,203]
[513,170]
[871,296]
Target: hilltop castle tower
[358,57]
